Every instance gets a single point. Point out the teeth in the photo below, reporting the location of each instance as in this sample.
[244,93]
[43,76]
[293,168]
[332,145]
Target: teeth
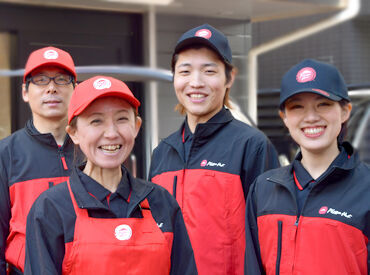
[312,131]
[110,147]
[196,96]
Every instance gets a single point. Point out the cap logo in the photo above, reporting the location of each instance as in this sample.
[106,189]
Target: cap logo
[321,92]
[123,232]
[203,163]
[51,54]
[305,75]
[205,33]
[102,83]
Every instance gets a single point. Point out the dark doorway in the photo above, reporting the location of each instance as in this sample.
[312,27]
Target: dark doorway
[91,37]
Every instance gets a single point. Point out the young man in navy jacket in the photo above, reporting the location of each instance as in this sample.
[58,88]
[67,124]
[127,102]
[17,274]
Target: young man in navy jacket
[38,156]
[210,162]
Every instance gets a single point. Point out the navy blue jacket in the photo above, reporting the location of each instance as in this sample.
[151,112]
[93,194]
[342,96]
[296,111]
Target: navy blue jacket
[329,236]
[30,163]
[51,221]
[225,157]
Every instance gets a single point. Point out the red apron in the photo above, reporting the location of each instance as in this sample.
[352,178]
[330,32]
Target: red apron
[116,246]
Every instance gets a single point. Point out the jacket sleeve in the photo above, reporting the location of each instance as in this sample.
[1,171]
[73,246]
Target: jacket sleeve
[5,214]
[153,163]
[253,262]
[182,256]
[259,156]
[45,246]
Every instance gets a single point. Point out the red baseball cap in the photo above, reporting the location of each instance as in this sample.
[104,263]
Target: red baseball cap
[50,56]
[96,87]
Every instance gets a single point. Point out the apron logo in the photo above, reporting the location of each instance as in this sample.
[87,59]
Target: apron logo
[123,232]
[50,54]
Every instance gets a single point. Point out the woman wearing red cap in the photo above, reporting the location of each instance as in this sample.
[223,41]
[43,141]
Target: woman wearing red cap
[104,221]
[313,216]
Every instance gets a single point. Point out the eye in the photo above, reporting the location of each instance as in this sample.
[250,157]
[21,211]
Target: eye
[63,79]
[95,121]
[123,118]
[211,71]
[40,79]
[294,106]
[324,104]
[183,72]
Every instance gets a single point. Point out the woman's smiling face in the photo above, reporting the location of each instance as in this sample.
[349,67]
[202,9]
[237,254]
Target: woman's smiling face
[314,122]
[106,132]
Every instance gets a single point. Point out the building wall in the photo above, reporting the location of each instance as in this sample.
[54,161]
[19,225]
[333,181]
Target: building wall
[346,46]
[169,30]
[5,86]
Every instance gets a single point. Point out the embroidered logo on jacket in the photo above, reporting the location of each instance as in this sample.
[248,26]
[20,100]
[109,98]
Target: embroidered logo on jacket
[326,210]
[123,232]
[205,163]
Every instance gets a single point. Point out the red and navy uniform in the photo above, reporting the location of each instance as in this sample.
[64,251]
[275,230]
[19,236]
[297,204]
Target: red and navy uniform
[211,184]
[30,163]
[79,227]
[297,225]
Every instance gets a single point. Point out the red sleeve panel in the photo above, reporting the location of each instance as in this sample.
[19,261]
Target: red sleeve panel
[22,196]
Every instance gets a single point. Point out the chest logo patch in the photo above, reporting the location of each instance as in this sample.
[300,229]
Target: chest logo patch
[123,232]
[205,163]
[326,210]
[323,210]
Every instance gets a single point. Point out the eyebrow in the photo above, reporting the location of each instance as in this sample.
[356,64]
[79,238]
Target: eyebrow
[102,113]
[211,64]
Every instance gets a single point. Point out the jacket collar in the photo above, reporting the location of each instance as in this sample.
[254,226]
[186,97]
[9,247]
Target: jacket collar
[285,175]
[140,190]
[203,131]
[47,139]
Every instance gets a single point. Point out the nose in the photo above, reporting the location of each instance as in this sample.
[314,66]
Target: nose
[311,115]
[52,87]
[111,130]
[196,80]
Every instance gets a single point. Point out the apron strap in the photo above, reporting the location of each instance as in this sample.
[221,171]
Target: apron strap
[145,208]
[78,210]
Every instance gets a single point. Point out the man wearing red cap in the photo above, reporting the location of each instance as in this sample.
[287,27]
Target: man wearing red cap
[210,162]
[38,156]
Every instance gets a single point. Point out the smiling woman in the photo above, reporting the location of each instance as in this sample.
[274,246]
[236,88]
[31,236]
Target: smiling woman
[119,222]
[312,216]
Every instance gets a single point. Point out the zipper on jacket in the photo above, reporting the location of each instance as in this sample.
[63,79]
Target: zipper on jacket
[279,244]
[174,186]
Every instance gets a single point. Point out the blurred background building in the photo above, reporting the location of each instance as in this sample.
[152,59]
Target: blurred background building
[121,37]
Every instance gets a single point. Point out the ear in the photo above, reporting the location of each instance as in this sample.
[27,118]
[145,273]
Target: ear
[282,116]
[72,132]
[24,93]
[138,123]
[232,78]
[346,112]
